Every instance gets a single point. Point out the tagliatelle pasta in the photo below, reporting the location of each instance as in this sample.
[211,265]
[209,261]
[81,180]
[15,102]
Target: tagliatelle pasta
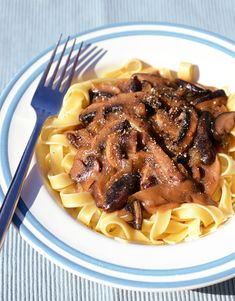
[171,225]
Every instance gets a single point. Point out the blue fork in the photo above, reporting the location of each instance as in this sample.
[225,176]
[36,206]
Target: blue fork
[46,102]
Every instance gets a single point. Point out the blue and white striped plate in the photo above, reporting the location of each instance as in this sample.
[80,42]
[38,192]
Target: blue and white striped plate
[51,231]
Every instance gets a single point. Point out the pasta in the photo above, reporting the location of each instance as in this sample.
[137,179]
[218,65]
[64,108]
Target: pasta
[187,221]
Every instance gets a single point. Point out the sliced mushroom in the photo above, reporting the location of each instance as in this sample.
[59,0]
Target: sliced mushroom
[135,84]
[115,104]
[85,172]
[118,193]
[116,151]
[202,141]
[218,96]
[115,108]
[223,124]
[125,99]
[79,138]
[187,132]
[73,139]
[186,120]
[153,78]
[99,141]
[165,169]
[169,98]
[139,125]
[117,87]
[152,103]
[130,142]
[96,96]
[87,117]
[98,188]
[93,112]
[177,132]
[211,177]
[138,108]
[177,192]
[107,87]
[132,213]
[137,159]
[77,169]
[113,151]
[195,88]
[165,125]
[215,105]
[148,175]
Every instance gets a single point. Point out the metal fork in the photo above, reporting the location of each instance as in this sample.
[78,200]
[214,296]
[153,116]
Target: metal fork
[46,102]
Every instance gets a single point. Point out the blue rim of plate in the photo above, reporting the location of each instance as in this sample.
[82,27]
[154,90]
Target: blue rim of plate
[4,162]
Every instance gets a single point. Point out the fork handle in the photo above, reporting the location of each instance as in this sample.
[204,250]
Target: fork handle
[11,199]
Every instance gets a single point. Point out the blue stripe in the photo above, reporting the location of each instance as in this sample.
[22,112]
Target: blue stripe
[22,207]
[114,25]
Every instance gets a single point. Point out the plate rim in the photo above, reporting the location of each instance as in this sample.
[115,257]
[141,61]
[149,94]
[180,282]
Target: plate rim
[98,29]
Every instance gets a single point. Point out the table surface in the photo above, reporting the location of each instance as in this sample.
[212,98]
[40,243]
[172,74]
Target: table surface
[27,28]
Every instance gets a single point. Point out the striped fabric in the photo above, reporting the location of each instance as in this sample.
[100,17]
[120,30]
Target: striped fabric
[28,27]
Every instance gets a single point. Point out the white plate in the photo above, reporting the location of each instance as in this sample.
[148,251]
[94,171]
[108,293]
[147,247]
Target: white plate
[51,231]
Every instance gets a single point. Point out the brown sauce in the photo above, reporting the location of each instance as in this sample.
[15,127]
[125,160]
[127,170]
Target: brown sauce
[148,144]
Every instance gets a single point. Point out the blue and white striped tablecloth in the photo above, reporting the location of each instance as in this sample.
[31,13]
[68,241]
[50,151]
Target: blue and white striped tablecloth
[26,28]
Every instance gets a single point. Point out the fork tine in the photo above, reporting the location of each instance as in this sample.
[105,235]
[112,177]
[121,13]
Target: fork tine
[85,53]
[58,85]
[71,73]
[88,61]
[58,64]
[45,73]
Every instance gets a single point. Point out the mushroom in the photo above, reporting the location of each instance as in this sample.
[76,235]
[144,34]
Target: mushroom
[120,147]
[211,177]
[98,188]
[105,90]
[168,98]
[114,108]
[196,89]
[202,98]
[148,175]
[152,102]
[165,169]
[186,118]
[87,117]
[93,112]
[187,132]
[85,172]
[73,139]
[202,141]
[118,103]
[132,213]
[154,79]
[165,125]
[177,132]
[135,84]
[105,87]
[215,103]
[223,124]
[177,193]
[113,151]
[119,191]
[116,151]
[99,95]
[79,138]
[203,161]
[218,96]
[99,141]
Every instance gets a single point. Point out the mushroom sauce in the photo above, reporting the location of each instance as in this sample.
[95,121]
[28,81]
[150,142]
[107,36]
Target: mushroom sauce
[149,143]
